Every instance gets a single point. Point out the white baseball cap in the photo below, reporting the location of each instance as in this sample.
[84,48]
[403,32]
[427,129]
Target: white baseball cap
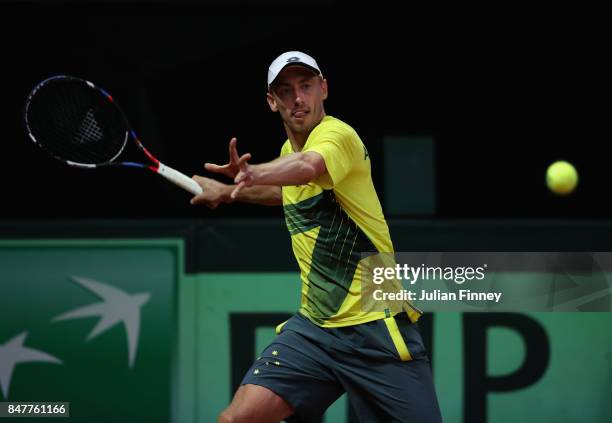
[291,58]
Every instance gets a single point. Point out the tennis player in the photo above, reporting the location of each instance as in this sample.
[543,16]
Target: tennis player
[331,345]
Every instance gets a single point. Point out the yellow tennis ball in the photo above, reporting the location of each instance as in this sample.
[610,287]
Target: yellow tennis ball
[561,177]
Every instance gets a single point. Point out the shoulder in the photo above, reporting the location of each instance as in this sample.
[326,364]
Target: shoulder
[330,124]
[338,132]
[286,148]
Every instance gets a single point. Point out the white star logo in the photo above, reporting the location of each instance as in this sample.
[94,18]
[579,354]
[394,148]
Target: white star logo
[13,353]
[118,307]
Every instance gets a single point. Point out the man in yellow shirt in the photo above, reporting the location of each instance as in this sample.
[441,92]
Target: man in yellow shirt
[333,344]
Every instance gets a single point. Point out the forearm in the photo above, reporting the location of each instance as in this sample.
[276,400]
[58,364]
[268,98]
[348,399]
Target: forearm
[265,195]
[292,169]
[215,193]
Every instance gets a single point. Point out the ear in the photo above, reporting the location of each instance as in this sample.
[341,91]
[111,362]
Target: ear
[271,102]
[324,88]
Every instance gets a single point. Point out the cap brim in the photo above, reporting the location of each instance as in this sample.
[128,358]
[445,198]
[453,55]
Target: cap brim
[300,64]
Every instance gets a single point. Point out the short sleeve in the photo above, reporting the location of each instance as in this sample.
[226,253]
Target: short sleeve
[285,149]
[338,152]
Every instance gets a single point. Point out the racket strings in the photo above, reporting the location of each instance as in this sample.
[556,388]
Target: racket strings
[89,130]
[76,122]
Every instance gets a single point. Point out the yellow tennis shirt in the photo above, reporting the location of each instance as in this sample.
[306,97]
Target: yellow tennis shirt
[332,220]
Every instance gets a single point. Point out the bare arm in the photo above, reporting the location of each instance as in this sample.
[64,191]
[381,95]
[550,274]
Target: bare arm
[265,195]
[257,184]
[215,193]
[292,169]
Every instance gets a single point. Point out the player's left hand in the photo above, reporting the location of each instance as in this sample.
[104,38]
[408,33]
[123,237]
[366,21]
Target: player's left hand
[245,176]
[232,168]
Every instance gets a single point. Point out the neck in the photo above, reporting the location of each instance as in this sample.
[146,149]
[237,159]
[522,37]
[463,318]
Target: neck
[298,139]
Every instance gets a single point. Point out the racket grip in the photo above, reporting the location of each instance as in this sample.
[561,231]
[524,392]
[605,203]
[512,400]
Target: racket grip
[179,179]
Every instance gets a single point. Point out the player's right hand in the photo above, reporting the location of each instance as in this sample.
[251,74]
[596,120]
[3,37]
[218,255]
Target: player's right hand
[213,192]
[232,168]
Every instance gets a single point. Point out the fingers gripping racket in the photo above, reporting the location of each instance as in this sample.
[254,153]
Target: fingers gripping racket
[80,124]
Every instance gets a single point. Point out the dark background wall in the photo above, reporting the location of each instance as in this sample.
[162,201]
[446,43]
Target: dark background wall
[503,95]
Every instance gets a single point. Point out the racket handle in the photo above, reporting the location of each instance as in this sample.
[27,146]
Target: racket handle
[179,179]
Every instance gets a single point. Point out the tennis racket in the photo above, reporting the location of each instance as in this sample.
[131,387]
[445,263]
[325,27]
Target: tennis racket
[80,124]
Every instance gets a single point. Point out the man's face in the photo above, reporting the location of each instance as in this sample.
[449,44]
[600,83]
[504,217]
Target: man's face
[298,94]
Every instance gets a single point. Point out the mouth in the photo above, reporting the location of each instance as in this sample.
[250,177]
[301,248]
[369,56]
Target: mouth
[299,114]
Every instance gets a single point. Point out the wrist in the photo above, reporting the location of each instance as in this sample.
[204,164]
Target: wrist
[226,194]
[258,174]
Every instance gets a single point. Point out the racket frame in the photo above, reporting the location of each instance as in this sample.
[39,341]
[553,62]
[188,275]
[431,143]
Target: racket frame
[156,166]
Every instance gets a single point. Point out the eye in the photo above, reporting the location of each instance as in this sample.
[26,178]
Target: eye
[283,92]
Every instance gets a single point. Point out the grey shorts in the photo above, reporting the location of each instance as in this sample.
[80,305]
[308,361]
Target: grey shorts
[382,365]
